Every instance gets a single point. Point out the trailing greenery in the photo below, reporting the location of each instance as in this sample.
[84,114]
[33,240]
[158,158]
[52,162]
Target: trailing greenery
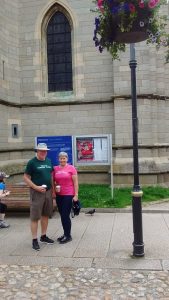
[95,195]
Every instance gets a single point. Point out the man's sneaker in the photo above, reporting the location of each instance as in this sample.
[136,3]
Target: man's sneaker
[35,245]
[45,239]
[60,238]
[3,224]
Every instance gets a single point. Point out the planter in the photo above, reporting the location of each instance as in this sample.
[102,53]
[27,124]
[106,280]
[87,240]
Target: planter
[133,36]
[138,31]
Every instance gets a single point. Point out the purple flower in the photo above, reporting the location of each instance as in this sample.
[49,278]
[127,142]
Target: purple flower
[126,7]
[115,9]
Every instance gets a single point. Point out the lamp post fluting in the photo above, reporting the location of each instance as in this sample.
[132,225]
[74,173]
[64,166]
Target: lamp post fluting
[138,245]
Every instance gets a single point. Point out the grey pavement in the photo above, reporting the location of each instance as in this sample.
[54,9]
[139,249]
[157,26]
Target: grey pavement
[97,264]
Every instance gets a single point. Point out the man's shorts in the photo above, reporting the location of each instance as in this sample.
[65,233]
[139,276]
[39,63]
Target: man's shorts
[41,204]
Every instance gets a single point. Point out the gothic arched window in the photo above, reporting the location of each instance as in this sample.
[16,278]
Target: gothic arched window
[59,53]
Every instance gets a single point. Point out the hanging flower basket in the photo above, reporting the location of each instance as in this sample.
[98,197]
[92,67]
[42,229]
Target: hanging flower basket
[122,22]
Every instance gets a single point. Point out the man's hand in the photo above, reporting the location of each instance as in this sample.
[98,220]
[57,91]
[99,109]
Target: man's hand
[7,193]
[40,189]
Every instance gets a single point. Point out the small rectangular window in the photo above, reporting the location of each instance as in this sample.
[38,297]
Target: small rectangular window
[15,132]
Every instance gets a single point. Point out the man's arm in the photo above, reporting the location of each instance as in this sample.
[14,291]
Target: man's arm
[28,181]
[53,188]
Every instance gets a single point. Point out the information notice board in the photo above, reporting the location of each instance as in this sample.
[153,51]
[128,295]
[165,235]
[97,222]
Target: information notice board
[92,150]
[57,144]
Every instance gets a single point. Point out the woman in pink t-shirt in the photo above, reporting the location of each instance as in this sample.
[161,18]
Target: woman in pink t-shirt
[66,182]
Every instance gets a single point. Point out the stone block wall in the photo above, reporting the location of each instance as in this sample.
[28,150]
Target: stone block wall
[10,115]
[9,51]
[67,120]
[153,116]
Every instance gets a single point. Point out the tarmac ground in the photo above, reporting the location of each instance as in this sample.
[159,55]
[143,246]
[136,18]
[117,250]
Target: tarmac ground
[97,265]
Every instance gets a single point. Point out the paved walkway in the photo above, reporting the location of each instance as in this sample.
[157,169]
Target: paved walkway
[96,265]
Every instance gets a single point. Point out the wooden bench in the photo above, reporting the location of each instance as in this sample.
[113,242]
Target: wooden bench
[19,198]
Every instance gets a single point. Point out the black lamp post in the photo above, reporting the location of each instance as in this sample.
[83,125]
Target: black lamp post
[138,245]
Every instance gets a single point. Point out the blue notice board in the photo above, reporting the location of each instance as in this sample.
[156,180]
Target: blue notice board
[57,144]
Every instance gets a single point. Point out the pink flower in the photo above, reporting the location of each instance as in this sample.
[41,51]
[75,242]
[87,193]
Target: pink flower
[153,3]
[141,4]
[100,2]
[132,8]
[100,5]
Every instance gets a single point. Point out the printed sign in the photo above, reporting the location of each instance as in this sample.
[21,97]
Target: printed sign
[57,144]
[91,150]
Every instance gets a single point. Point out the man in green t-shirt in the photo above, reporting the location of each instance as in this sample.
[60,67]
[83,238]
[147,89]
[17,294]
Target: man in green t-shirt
[38,176]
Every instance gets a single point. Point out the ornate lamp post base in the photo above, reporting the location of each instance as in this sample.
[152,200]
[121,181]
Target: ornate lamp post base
[138,245]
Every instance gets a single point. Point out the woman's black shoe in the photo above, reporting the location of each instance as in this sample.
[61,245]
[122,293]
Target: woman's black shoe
[60,238]
[66,240]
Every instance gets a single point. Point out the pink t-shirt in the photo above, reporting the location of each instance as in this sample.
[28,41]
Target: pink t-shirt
[63,176]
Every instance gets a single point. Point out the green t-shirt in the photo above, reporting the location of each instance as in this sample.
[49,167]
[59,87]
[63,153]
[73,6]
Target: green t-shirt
[40,171]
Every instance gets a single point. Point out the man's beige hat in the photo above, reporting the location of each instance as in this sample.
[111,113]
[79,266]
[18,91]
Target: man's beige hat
[42,147]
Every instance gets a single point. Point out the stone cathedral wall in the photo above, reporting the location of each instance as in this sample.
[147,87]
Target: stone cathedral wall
[9,51]
[100,102]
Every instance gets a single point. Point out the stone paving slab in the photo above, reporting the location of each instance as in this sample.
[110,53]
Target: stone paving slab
[50,261]
[96,238]
[128,264]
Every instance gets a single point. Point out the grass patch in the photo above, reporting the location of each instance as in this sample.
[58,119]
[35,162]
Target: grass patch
[95,195]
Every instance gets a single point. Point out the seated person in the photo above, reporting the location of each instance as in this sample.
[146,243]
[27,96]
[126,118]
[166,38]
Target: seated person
[3,194]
